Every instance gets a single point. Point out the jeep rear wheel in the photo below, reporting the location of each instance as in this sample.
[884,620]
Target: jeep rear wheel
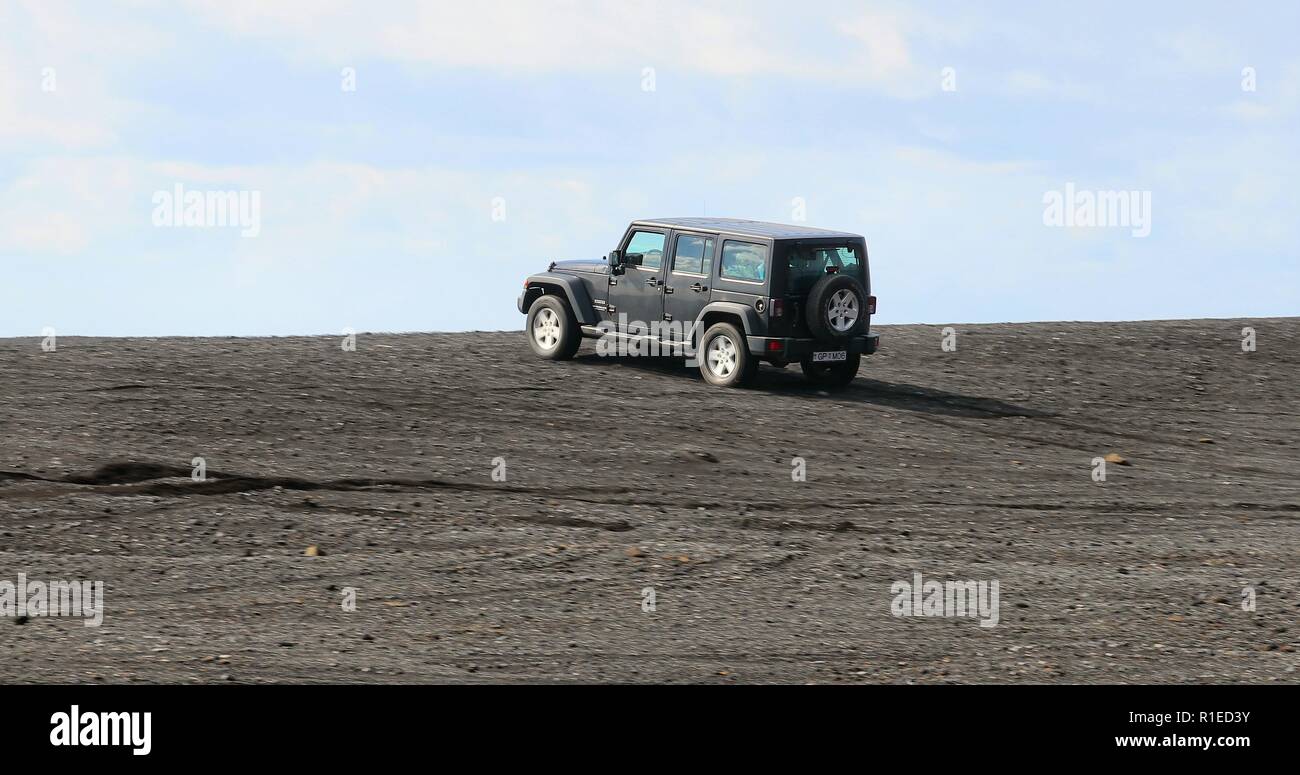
[832,374]
[551,329]
[724,357]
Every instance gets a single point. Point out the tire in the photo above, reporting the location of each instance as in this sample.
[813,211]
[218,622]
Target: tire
[832,374]
[551,329]
[836,307]
[724,357]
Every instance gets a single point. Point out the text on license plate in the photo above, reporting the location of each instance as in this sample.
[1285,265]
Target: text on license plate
[836,355]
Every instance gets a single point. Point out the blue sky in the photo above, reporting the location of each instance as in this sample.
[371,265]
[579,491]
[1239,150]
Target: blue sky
[377,204]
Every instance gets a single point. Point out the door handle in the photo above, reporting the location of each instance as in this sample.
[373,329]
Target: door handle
[652,282]
[698,288]
[668,289]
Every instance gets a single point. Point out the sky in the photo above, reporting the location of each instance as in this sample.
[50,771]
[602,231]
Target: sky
[411,162]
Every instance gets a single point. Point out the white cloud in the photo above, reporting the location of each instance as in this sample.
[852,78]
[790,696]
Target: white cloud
[886,50]
[58,233]
[1277,95]
[66,116]
[57,205]
[50,43]
[720,38]
[1192,50]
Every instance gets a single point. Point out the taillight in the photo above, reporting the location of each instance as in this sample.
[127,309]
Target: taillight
[871,305]
[778,307]
[525,284]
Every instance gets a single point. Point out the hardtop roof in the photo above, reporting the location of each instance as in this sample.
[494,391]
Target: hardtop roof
[747,228]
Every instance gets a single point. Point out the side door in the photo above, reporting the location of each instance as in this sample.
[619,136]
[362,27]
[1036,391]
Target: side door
[638,291]
[686,285]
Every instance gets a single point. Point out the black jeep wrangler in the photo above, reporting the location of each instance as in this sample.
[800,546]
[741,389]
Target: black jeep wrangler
[727,293]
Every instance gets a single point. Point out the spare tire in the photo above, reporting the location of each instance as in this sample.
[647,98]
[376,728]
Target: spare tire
[837,307]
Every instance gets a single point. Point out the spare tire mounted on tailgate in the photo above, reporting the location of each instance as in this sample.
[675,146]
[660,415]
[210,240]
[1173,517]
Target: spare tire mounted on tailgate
[836,307]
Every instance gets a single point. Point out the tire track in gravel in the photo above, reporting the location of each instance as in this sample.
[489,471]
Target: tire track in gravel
[135,478]
[119,478]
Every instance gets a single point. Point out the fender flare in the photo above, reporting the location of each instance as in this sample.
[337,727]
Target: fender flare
[747,314]
[575,292]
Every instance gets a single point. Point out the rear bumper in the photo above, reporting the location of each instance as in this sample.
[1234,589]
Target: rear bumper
[797,349]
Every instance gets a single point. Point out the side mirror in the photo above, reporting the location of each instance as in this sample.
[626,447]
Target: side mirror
[615,257]
[633,259]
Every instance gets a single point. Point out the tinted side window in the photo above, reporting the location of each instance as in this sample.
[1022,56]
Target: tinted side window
[693,254]
[744,261]
[651,247]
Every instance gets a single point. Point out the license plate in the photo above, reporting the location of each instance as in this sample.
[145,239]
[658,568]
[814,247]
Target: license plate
[837,355]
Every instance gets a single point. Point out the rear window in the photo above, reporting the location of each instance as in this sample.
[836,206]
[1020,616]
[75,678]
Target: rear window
[807,263]
[744,261]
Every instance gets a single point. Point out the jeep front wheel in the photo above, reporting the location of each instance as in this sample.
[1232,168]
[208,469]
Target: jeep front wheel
[832,374]
[724,357]
[552,331]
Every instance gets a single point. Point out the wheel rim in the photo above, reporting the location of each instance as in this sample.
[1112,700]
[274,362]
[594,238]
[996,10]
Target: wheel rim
[546,329]
[843,311]
[721,356]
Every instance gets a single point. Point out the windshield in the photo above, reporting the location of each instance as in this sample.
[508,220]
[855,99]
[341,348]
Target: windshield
[807,263]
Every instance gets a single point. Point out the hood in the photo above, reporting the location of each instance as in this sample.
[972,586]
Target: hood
[597,265]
